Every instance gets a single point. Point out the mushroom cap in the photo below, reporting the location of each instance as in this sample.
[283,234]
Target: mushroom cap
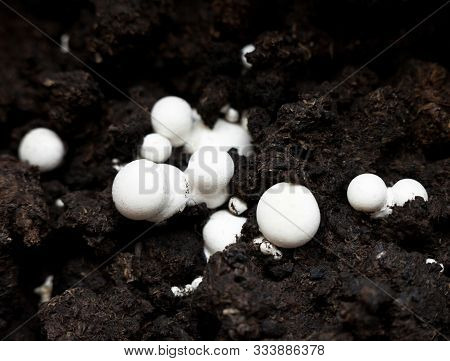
[406,190]
[221,229]
[288,215]
[156,148]
[171,117]
[139,191]
[43,148]
[367,193]
[210,170]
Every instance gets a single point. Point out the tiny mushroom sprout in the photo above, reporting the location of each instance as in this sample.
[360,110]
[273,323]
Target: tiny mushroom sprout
[232,115]
[209,172]
[138,191]
[143,190]
[368,193]
[59,203]
[244,51]
[43,148]
[171,117]
[221,229]
[288,215]
[45,290]
[156,148]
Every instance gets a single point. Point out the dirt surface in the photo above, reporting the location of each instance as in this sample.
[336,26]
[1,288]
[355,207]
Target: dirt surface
[316,119]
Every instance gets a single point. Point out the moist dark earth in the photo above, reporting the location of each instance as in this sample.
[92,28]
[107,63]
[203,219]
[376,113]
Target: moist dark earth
[317,118]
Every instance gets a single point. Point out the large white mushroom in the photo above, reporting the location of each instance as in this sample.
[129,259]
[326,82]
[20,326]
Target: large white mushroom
[288,215]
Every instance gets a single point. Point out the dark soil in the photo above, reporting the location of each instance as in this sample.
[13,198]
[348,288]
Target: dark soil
[359,279]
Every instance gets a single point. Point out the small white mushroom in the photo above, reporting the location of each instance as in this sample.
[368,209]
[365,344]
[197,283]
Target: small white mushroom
[406,190]
[143,190]
[59,203]
[210,169]
[171,117]
[221,230]
[65,43]
[156,148]
[43,148]
[138,191]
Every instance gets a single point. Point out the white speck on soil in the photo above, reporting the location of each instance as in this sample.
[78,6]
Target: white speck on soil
[59,203]
[116,164]
[45,290]
[65,43]
[188,289]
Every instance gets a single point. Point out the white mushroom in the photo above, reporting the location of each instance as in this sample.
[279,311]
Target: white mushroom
[156,148]
[288,215]
[143,190]
[43,148]
[221,230]
[406,190]
[171,117]
[367,193]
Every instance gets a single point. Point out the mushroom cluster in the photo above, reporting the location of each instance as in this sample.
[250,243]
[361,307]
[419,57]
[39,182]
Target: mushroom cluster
[287,214]
[369,194]
[148,189]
